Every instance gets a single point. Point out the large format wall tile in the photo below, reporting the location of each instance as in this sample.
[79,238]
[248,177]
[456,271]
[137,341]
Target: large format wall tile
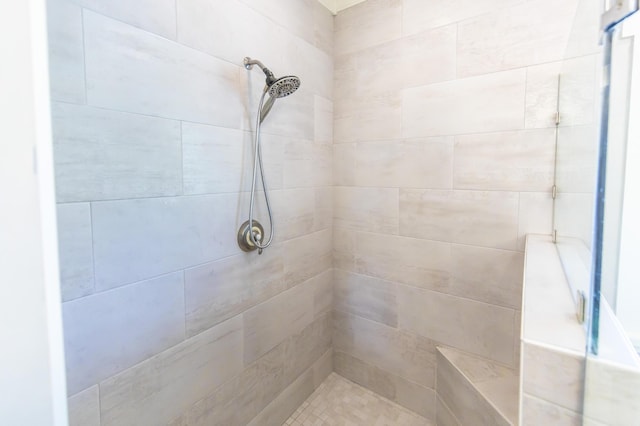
[510,37]
[323,120]
[162,235]
[415,163]
[306,164]
[511,161]
[492,102]
[156,16]
[487,275]
[480,328]
[465,400]
[367,297]
[84,408]
[366,209]
[279,410]
[220,290]
[487,219]
[240,399]
[368,118]
[76,251]
[557,376]
[409,394]
[400,352]
[535,217]
[418,15]
[110,331]
[228,30]
[213,159]
[102,154]
[412,261]
[66,51]
[271,322]
[422,66]
[542,95]
[161,388]
[307,256]
[537,411]
[359,27]
[131,70]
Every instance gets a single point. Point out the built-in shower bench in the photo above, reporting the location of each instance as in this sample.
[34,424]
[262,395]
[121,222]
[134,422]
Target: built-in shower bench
[474,391]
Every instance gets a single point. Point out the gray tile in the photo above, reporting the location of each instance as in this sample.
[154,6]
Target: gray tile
[292,117]
[323,28]
[367,118]
[418,15]
[400,352]
[364,374]
[108,332]
[183,232]
[102,154]
[366,209]
[220,290]
[66,51]
[132,70]
[358,27]
[413,261]
[156,16]
[509,161]
[322,368]
[539,412]
[367,297]
[480,328]
[553,376]
[240,399]
[487,275]
[213,158]
[271,322]
[444,416]
[75,250]
[417,398]
[307,164]
[323,119]
[483,218]
[166,385]
[84,408]
[465,402]
[323,293]
[508,37]
[279,410]
[303,349]
[227,29]
[492,102]
[307,256]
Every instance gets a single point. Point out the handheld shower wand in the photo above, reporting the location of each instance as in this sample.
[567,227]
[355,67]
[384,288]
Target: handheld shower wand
[251,233]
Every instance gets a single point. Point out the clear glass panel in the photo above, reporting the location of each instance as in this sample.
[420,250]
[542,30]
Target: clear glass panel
[612,382]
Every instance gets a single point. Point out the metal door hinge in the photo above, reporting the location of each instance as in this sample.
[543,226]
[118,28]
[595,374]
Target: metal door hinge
[554,192]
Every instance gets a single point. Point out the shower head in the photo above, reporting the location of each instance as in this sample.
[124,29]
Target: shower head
[276,87]
[284,86]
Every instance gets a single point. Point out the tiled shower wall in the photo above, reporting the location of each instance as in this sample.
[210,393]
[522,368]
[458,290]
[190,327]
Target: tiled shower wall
[443,162]
[164,317]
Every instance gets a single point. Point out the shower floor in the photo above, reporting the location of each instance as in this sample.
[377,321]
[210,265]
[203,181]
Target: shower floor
[340,402]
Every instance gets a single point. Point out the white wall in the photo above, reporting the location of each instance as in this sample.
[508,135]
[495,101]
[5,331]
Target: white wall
[32,382]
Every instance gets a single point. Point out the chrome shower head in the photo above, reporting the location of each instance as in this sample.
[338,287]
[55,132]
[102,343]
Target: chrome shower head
[276,87]
[284,86]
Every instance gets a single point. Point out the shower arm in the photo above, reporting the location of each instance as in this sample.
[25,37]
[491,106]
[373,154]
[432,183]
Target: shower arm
[249,63]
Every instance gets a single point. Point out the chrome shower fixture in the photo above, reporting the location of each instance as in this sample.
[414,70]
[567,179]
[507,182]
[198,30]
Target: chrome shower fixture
[251,235]
[276,87]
